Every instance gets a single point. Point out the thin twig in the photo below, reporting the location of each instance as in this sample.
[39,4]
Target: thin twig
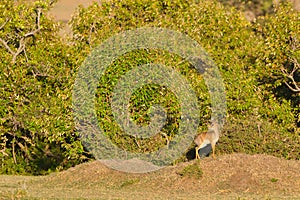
[37,73]
[32,33]
[2,26]
[136,142]
[3,152]
[6,46]
[166,136]
[295,87]
[13,150]
[26,55]
[22,45]
[22,42]
[258,127]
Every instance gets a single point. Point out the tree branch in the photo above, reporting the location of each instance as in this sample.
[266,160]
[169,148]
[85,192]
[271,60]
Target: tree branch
[294,87]
[37,73]
[22,42]
[32,33]
[6,46]
[13,151]
[3,152]
[2,26]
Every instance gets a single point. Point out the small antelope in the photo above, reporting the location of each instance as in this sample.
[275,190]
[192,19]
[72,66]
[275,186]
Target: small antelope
[209,137]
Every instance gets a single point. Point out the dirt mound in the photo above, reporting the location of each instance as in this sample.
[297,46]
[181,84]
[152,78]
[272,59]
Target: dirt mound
[237,174]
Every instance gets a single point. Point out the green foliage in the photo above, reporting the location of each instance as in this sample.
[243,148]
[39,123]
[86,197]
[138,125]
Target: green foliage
[144,98]
[229,39]
[129,182]
[192,171]
[274,180]
[38,69]
[36,126]
[278,58]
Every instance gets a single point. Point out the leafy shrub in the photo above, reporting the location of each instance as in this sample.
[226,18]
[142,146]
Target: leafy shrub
[36,127]
[38,69]
[233,45]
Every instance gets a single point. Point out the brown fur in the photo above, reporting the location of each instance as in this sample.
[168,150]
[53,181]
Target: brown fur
[209,137]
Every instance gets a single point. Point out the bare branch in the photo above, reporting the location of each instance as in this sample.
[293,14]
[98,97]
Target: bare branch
[3,152]
[292,84]
[37,73]
[22,45]
[19,50]
[6,46]
[13,151]
[25,55]
[22,42]
[167,139]
[4,43]
[295,87]
[32,33]
[2,26]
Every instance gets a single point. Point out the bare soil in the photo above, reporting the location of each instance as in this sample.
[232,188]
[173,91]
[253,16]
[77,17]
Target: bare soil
[227,177]
[64,9]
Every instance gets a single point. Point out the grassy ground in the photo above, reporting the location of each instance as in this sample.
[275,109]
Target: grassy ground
[237,176]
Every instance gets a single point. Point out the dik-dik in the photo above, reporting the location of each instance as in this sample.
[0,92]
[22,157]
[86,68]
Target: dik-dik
[209,137]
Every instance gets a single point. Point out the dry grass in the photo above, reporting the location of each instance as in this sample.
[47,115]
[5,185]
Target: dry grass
[229,176]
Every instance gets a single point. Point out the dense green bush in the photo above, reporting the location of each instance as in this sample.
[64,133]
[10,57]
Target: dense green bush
[37,131]
[233,43]
[36,127]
